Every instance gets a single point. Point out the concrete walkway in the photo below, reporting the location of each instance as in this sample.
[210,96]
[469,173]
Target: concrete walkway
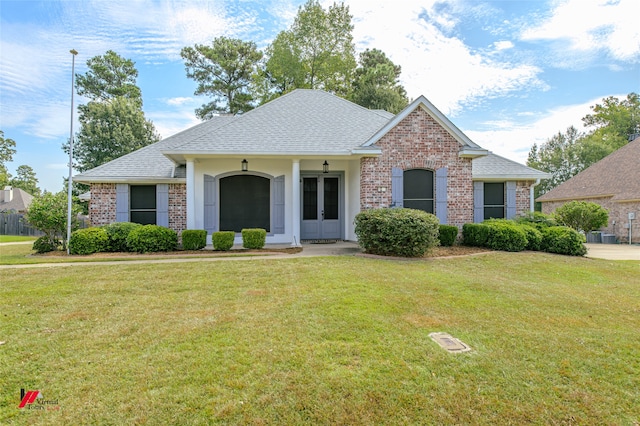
[614,251]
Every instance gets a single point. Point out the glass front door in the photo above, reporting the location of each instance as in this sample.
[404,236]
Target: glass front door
[320,207]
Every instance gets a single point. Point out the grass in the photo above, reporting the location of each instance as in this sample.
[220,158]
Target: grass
[339,340]
[15,238]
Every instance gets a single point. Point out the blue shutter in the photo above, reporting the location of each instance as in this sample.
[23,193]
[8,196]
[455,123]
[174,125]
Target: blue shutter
[278,205]
[397,188]
[511,199]
[441,195]
[209,204]
[478,202]
[162,204]
[122,202]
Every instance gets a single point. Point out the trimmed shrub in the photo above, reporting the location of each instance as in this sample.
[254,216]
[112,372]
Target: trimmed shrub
[117,232]
[254,238]
[475,234]
[194,239]
[152,238]
[45,244]
[534,237]
[537,219]
[505,236]
[397,231]
[88,241]
[223,240]
[582,216]
[563,240]
[447,235]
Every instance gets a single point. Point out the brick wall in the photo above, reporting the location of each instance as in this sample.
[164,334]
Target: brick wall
[178,207]
[523,196]
[618,213]
[102,206]
[418,141]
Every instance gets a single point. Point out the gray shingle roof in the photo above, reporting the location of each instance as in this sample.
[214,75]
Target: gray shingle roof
[300,122]
[617,175]
[19,202]
[493,166]
[149,162]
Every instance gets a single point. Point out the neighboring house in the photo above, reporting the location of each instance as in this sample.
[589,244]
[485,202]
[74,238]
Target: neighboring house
[614,183]
[303,165]
[14,200]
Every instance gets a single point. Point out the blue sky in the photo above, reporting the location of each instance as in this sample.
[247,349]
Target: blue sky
[507,73]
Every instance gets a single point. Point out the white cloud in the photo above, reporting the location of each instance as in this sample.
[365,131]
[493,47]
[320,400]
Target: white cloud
[441,67]
[503,45]
[179,101]
[591,25]
[514,141]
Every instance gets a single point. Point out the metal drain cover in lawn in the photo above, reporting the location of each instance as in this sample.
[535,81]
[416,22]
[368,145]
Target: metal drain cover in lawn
[448,342]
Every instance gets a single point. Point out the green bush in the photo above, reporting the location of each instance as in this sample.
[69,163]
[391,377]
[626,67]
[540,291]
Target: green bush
[152,238]
[223,240]
[534,237]
[475,234]
[582,216]
[397,231]
[447,235]
[88,241]
[194,239]
[45,244]
[254,238]
[505,236]
[538,220]
[118,233]
[563,240]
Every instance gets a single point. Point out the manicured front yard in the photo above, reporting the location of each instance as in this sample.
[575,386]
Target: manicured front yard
[340,340]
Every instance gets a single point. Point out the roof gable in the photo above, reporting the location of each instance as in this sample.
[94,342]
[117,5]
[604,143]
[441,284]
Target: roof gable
[495,167]
[468,147]
[616,176]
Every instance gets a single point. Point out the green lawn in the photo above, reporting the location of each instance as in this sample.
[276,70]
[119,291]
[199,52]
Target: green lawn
[15,238]
[333,340]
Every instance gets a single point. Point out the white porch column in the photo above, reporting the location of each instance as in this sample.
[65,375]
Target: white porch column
[191,195]
[295,200]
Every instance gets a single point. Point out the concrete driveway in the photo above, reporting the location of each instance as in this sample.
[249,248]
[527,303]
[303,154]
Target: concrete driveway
[614,251]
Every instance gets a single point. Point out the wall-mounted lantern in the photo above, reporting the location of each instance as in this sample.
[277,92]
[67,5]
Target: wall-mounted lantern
[245,165]
[325,167]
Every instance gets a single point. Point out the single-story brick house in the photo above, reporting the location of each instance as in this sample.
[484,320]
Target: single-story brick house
[613,183]
[303,165]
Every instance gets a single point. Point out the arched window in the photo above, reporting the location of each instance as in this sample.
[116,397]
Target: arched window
[245,202]
[418,190]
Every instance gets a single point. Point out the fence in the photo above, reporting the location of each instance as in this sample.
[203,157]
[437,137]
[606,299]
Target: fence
[15,224]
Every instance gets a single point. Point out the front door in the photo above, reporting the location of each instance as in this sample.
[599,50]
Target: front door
[321,207]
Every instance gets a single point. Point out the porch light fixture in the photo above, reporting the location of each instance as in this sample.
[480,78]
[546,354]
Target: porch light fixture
[245,165]
[325,167]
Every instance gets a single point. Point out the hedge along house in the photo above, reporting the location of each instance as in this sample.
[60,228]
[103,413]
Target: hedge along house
[302,166]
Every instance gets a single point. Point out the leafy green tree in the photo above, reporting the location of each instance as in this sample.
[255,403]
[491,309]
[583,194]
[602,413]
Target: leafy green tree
[557,156]
[26,180]
[48,213]
[110,129]
[109,76]
[225,71]
[582,216]
[317,52]
[112,122]
[7,151]
[615,120]
[376,84]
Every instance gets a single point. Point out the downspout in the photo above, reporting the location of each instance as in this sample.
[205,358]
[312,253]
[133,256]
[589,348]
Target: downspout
[531,193]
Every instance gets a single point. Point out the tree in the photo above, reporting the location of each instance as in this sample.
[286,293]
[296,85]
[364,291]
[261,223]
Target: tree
[26,180]
[7,151]
[317,52]
[109,76]
[615,120]
[48,213]
[557,156]
[376,84]
[112,122]
[224,71]
[110,129]
[582,216]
